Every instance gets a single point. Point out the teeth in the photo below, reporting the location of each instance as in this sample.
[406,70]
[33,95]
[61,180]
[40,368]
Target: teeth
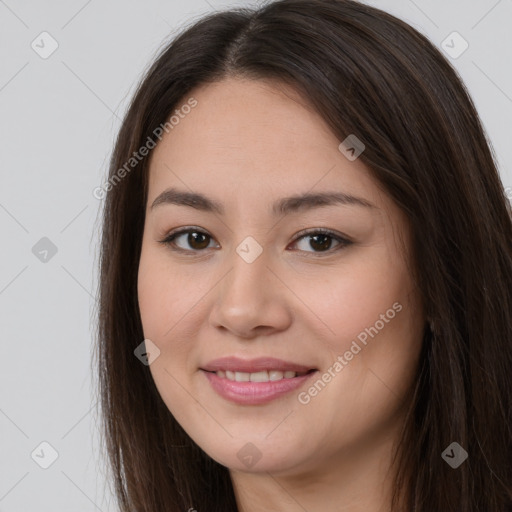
[275,375]
[263,376]
[259,376]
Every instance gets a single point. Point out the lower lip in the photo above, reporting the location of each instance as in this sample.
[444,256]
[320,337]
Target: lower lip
[254,393]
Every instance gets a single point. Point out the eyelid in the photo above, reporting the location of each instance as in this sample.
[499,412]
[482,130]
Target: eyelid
[343,240]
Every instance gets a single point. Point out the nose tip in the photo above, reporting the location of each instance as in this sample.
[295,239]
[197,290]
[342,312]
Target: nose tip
[250,300]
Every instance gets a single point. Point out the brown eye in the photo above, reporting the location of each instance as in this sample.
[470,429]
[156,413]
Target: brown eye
[194,240]
[198,240]
[321,242]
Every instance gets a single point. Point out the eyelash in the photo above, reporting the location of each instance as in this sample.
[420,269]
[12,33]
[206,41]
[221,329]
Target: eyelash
[343,242]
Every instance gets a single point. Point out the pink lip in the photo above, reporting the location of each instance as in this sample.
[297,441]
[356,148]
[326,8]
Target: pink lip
[236,364]
[254,393]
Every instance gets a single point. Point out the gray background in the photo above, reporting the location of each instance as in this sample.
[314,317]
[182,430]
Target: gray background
[58,120]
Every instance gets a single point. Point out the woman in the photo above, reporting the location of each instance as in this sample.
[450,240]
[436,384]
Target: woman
[306,274]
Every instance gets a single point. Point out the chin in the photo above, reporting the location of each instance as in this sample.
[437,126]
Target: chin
[257,456]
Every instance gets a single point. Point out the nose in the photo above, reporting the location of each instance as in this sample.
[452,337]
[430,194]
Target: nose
[251,300]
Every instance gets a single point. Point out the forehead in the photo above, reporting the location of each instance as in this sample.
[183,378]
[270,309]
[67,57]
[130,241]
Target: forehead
[259,120]
[258,139]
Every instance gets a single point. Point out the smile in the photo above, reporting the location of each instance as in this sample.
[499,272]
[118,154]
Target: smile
[243,388]
[262,376]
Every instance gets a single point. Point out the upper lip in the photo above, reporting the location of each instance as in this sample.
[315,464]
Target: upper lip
[236,364]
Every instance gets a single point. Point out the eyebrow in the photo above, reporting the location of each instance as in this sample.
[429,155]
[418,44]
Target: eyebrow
[284,206]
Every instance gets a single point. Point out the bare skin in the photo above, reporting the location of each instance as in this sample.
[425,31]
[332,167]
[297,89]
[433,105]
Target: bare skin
[246,145]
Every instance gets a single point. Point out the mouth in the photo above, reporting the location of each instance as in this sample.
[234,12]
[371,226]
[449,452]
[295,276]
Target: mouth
[253,366]
[261,376]
[257,381]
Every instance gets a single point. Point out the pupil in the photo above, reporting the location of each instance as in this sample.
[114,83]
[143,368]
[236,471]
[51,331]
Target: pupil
[193,239]
[326,241]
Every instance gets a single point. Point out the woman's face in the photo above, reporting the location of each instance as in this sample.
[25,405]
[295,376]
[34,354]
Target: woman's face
[247,282]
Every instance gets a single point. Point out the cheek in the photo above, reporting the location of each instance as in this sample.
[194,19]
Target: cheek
[379,357]
[379,332]
[154,299]
[163,294]
[162,304]
[356,296]
[171,312]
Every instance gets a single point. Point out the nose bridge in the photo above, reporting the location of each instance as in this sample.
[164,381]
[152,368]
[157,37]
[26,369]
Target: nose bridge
[250,296]
[249,263]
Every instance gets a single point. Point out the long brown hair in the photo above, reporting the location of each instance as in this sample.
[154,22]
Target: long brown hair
[368,73]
